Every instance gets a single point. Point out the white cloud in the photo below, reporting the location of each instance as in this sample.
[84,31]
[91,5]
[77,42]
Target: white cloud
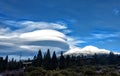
[30,34]
[43,25]
[37,39]
[44,35]
[26,26]
[47,38]
[102,36]
[67,31]
[4,30]
[74,41]
[43,48]
[41,38]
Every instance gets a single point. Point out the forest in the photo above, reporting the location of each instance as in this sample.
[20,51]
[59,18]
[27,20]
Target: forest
[63,65]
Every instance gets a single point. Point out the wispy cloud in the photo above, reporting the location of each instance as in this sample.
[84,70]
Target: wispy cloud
[73,42]
[4,30]
[32,25]
[103,36]
[116,11]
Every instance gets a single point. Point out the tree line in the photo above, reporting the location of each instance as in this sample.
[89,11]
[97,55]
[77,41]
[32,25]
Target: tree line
[64,61]
[53,62]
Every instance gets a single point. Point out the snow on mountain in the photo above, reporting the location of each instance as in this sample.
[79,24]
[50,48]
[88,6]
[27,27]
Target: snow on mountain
[88,50]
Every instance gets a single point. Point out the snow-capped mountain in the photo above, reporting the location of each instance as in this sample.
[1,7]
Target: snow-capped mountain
[88,50]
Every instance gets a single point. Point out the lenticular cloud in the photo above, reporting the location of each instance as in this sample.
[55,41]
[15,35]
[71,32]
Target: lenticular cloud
[45,38]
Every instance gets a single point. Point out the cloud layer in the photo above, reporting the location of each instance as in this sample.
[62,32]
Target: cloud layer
[27,37]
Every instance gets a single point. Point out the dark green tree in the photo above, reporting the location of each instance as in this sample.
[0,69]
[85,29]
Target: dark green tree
[111,58]
[39,58]
[6,62]
[44,61]
[1,64]
[78,61]
[73,60]
[47,58]
[34,62]
[54,61]
[62,64]
[96,60]
[12,64]
[68,61]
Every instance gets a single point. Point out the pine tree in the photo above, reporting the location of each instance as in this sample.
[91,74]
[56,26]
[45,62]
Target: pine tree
[6,62]
[44,61]
[39,58]
[12,64]
[95,56]
[111,58]
[62,61]
[78,61]
[1,64]
[6,59]
[68,62]
[48,60]
[73,60]
[54,61]
[34,62]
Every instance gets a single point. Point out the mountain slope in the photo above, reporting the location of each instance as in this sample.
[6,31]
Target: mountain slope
[88,50]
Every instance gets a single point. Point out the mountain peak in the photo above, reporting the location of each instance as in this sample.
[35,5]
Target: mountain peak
[90,47]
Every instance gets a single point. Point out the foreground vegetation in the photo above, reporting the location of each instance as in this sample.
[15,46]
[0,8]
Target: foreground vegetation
[87,70]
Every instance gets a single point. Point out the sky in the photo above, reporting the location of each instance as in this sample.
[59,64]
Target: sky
[26,24]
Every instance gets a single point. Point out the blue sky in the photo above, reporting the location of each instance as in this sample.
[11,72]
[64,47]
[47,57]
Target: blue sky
[88,22]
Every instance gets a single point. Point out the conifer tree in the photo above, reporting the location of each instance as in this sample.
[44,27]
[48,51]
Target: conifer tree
[39,58]
[34,62]
[111,58]
[54,61]
[48,60]
[6,62]
[68,62]
[95,56]
[1,64]
[44,61]
[62,61]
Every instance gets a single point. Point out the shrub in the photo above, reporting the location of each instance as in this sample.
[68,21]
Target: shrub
[29,69]
[36,73]
[114,74]
[89,72]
